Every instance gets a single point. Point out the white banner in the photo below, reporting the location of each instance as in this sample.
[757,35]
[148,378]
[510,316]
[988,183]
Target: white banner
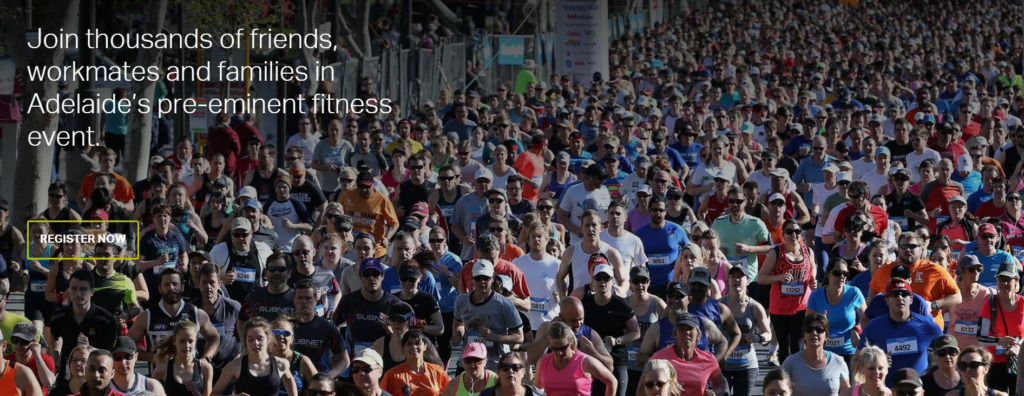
[581,48]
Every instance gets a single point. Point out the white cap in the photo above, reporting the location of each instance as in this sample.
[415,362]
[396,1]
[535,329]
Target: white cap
[844,176]
[483,267]
[831,167]
[604,268]
[964,163]
[247,191]
[506,282]
[776,197]
[483,173]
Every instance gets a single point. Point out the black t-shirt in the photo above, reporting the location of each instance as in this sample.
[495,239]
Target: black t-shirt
[522,208]
[423,305]
[311,196]
[98,325]
[318,340]
[609,320]
[261,302]
[361,317]
[895,208]
[899,152]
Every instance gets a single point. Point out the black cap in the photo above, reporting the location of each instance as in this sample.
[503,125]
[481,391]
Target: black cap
[842,147]
[611,157]
[400,310]
[412,222]
[673,192]
[639,272]
[906,376]
[343,221]
[124,344]
[408,271]
[741,269]
[200,253]
[364,179]
[688,319]
[595,170]
[700,275]
[678,287]
[900,271]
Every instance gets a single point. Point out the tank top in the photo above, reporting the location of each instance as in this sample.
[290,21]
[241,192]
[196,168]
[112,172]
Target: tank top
[294,366]
[264,186]
[1012,158]
[412,194]
[435,168]
[709,309]
[8,382]
[645,320]
[64,214]
[571,380]
[267,385]
[204,192]
[856,391]
[62,282]
[789,298]
[721,277]
[7,243]
[462,391]
[555,188]
[140,385]
[389,362]
[161,323]
[173,387]
[716,207]
[447,207]
[580,274]
[744,356]
[37,280]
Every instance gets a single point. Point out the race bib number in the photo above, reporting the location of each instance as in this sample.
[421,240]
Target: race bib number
[538,304]
[835,342]
[738,261]
[739,356]
[38,287]
[447,211]
[334,159]
[659,260]
[476,337]
[1000,350]
[247,275]
[902,221]
[963,327]
[793,289]
[901,346]
[631,352]
[538,179]
[160,268]
[320,311]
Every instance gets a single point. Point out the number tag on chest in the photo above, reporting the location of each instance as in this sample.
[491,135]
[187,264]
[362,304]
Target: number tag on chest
[793,289]
[901,346]
[247,275]
[738,261]
[476,337]
[739,356]
[538,304]
[835,342]
[661,259]
[902,221]
[170,264]
[38,287]
[964,327]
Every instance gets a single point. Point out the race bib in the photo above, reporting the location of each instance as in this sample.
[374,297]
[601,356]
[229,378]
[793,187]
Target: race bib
[739,356]
[659,260]
[963,327]
[901,346]
[835,341]
[631,352]
[247,275]
[447,211]
[320,311]
[538,304]
[160,268]
[334,159]
[1000,350]
[1018,252]
[793,289]
[476,337]
[902,221]
[538,179]
[38,286]
[738,261]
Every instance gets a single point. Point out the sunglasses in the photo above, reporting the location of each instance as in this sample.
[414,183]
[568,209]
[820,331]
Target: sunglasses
[515,368]
[559,349]
[120,357]
[481,278]
[357,370]
[277,269]
[975,270]
[281,333]
[603,278]
[900,294]
[472,360]
[373,274]
[463,153]
[1013,198]
[946,352]
[793,231]
[818,148]
[676,296]
[737,201]
[545,207]
[496,201]
[909,246]
[654,384]
[496,229]
[409,279]
[814,329]
[346,181]
[436,240]
[840,273]
[56,196]
[239,234]
[640,281]
[964,366]
[858,196]
[446,178]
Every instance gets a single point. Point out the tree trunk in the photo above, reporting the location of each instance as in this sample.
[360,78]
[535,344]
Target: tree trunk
[140,124]
[305,22]
[35,163]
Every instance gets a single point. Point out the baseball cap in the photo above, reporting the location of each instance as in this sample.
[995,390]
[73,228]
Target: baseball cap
[370,357]
[123,344]
[644,189]
[883,151]
[241,223]
[248,192]
[420,208]
[595,170]
[604,269]
[639,272]
[483,173]
[777,197]
[780,172]
[673,192]
[906,376]
[747,128]
[844,176]
[475,350]
[251,203]
[401,310]
[987,228]
[700,275]
[897,285]
[27,331]
[200,253]
[506,282]
[958,198]
[964,163]
[643,161]
[900,171]
[678,287]
[968,261]
[741,269]
[561,157]
[100,214]
[496,191]
[408,271]
[831,167]
[1008,268]
[687,319]
[364,179]
[945,341]
[900,271]
[370,264]
[483,267]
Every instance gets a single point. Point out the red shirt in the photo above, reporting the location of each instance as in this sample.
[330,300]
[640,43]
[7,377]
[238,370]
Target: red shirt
[501,267]
[878,214]
[243,166]
[971,130]
[32,366]
[989,209]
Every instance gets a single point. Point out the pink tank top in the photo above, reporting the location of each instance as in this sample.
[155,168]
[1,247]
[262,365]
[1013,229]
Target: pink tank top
[856,391]
[569,381]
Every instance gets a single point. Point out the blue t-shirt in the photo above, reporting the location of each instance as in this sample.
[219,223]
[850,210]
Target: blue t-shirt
[975,200]
[878,308]
[990,264]
[151,246]
[576,162]
[662,247]
[690,154]
[842,317]
[795,144]
[907,341]
[392,285]
[448,291]
[862,282]
[972,182]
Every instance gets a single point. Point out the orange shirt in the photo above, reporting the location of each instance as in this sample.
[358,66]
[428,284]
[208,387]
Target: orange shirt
[122,188]
[928,279]
[530,164]
[430,383]
[370,215]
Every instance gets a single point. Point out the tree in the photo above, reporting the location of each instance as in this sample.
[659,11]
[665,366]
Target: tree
[35,163]
[136,161]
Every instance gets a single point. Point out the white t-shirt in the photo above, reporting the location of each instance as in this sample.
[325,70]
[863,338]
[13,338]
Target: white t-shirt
[701,176]
[577,199]
[874,181]
[819,195]
[764,183]
[860,167]
[830,224]
[630,247]
[914,159]
[540,277]
[277,211]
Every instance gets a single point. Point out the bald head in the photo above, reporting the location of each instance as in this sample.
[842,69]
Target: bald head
[572,312]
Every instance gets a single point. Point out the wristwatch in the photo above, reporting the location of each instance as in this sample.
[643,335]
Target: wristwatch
[935,305]
[618,341]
